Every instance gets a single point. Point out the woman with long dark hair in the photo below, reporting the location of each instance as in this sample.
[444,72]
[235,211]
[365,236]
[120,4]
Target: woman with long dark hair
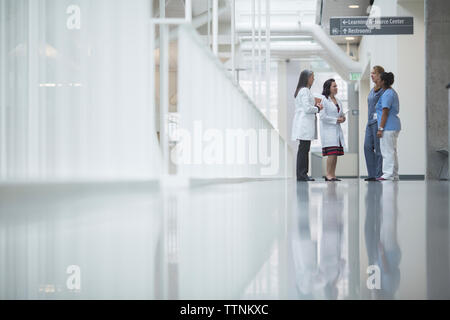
[304,127]
[331,134]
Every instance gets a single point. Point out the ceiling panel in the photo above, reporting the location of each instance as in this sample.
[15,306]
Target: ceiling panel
[282,12]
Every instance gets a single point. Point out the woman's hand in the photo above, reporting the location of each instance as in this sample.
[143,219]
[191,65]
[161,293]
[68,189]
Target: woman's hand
[320,106]
[341,120]
[379,134]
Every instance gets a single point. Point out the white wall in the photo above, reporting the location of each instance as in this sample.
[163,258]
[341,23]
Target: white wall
[404,56]
[411,87]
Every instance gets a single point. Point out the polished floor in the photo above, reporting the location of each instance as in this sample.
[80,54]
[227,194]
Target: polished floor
[250,240]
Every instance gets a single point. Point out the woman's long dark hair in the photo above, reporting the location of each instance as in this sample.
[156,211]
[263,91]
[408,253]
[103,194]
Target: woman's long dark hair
[327,87]
[303,81]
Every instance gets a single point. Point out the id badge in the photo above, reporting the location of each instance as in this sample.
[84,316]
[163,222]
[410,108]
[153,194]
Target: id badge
[375,117]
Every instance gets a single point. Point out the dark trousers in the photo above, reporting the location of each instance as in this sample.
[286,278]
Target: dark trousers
[303,159]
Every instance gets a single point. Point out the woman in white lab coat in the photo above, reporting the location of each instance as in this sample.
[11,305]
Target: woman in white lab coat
[304,127]
[331,134]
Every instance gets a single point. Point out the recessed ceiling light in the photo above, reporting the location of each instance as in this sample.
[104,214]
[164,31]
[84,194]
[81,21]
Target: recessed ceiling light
[353,6]
[349,38]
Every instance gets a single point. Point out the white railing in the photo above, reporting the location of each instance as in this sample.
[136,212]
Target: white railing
[222,134]
[74,91]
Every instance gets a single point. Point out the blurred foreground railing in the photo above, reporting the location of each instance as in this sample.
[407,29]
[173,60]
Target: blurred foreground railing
[74,91]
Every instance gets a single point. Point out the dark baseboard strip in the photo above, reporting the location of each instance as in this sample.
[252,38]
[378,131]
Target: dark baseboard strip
[410,177]
[196,182]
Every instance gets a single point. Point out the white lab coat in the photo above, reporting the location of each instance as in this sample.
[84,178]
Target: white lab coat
[330,131]
[304,124]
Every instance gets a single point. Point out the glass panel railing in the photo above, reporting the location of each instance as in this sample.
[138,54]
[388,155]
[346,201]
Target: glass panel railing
[74,91]
[221,133]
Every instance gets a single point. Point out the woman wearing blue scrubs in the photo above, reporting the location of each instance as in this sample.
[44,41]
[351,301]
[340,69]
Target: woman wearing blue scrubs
[372,152]
[389,127]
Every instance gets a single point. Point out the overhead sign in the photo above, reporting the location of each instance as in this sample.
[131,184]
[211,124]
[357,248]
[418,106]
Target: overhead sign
[363,26]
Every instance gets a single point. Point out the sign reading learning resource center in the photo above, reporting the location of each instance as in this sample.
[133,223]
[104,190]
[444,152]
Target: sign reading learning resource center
[363,26]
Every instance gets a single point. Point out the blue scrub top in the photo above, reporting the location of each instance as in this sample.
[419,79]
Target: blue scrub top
[389,100]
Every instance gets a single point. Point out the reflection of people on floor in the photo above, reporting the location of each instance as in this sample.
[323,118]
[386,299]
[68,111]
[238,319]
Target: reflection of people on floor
[318,257]
[304,248]
[372,224]
[331,264]
[381,236]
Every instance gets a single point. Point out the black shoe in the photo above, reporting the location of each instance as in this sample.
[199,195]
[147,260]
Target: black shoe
[370,179]
[305,179]
[336,179]
[326,179]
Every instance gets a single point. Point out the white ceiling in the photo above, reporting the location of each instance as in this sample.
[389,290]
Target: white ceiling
[284,13]
[175,8]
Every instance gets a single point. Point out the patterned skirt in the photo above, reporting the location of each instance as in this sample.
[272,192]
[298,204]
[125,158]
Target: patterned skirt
[333,151]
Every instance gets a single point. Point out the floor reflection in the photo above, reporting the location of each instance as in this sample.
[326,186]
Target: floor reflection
[253,240]
[111,232]
[320,241]
[406,244]
[438,240]
[380,232]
